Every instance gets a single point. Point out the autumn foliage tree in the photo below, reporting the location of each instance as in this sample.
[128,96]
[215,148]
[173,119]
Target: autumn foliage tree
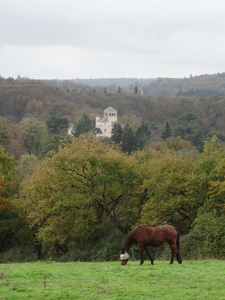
[10,221]
[35,135]
[89,194]
[4,132]
[166,176]
[81,194]
[206,190]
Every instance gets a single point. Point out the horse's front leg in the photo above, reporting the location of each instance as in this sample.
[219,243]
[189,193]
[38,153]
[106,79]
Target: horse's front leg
[142,257]
[141,249]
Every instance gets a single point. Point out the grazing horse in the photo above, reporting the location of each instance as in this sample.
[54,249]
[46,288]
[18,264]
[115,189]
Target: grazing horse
[144,236]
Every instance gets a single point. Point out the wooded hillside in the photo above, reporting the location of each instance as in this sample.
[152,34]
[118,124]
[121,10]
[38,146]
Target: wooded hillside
[60,194]
[193,118]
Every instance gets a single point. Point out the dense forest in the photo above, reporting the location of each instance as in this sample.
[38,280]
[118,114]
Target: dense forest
[164,163]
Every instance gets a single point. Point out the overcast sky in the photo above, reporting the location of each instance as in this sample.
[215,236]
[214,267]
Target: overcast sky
[68,39]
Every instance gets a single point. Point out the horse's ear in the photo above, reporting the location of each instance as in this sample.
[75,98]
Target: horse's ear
[122,251]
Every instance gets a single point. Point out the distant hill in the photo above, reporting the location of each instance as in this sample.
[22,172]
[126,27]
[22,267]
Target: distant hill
[203,85]
[115,81]
[111,85]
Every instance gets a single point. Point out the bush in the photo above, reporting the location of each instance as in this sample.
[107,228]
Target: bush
[107,249]
[206,240]
[18,254]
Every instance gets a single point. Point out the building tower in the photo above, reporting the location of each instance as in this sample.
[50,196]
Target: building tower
[103,126]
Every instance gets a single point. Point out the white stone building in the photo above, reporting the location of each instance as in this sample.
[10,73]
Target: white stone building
[104,125]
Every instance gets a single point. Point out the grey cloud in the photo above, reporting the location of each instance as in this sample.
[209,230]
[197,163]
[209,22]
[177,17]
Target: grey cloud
[154,35]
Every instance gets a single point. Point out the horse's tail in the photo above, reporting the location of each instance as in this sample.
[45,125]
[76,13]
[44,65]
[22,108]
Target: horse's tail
[179,259]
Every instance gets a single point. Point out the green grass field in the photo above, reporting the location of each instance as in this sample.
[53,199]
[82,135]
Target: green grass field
[109,280]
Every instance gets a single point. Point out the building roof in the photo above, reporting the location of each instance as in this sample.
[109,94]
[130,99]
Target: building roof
[103,120]
[98,131]
[110,108]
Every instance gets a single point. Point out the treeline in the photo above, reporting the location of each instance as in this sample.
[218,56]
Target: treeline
[79,203]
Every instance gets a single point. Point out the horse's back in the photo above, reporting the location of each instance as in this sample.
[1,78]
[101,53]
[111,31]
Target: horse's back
[141,234]
[169,234]
[138,232]
[153,236]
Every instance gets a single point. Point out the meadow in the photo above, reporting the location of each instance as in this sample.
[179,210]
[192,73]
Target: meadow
[110,280]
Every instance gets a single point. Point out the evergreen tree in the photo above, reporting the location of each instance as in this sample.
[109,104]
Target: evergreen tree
[140,139]
[128,142]
[117,133]
[57,125]
[190,128]
[145,127]
[166,133]
[136,90]
[85,124]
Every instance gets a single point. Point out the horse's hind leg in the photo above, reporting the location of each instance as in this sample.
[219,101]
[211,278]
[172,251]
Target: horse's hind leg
[172,257]
[175,251]
[149,255]
[179,259]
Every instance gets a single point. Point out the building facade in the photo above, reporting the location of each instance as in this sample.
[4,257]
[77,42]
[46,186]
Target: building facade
[104,125]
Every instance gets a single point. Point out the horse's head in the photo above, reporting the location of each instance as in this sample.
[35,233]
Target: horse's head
[124,257]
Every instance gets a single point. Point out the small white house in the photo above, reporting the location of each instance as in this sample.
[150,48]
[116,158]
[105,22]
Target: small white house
[104,125]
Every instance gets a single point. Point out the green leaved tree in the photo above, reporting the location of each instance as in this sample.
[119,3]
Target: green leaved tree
[35,135]
[84,125]
[94,191]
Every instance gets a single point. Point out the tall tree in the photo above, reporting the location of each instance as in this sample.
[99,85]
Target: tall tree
[128,142]
[190,128]
[4,133]
[54,143]
[17,144]
[167,131]
[9,221]
[142,136]
[206,190]
[166,178]
[58,125]
[117,133]
[80,204]
[136,89]
[35,135]
[84,125]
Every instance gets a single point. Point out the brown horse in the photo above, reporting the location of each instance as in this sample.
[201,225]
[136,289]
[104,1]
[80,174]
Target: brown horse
[144,236]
